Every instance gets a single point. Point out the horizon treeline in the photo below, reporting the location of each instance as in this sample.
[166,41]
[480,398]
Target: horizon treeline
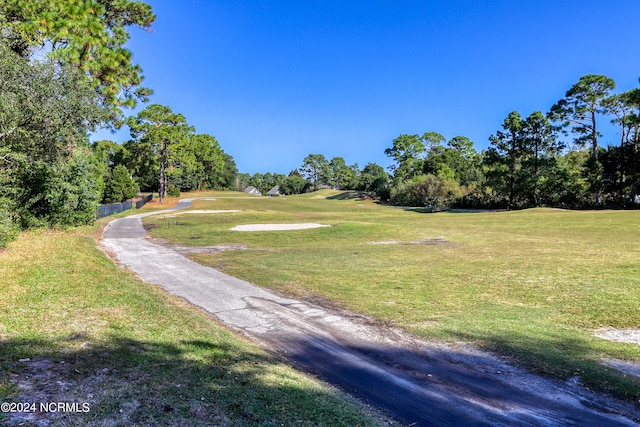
[552,159]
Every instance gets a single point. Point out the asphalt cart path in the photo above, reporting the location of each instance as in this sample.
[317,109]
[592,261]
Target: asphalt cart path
[415,382]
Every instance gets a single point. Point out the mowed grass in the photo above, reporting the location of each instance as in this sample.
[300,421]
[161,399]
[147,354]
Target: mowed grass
[76,328]
[533,285]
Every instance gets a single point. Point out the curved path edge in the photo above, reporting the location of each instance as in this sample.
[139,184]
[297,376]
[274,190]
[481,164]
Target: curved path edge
[414,381]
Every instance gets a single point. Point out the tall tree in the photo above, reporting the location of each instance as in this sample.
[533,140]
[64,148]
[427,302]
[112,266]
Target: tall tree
[578,112]
[156,129]
[626,109]
[375,180]
[203,155]
[110,152]
[229,177]
[341,174]
[432,139]
[44,110]
[316,168]
[506,148]
[294,183]
[539,148]
[89,35]
[406,151]
[458,159]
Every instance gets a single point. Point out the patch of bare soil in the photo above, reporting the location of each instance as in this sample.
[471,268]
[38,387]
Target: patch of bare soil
[621,335]
[185,250]
[439,241]
[148,226]
[277,227]
[207,249]
[103,397]
[204,211]
[40,382]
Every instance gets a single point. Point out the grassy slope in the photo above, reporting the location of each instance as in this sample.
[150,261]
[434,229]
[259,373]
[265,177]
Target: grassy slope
[75,328]
[530,284]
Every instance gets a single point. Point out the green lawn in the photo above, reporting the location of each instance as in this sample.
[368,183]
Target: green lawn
[533,284]
[76,328]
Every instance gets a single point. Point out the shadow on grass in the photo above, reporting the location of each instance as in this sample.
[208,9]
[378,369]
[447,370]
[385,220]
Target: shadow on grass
[560,356]
[423,210]
[449,387]
[129,382]
[348,195]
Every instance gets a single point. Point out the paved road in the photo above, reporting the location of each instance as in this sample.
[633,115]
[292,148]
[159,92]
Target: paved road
[415,382]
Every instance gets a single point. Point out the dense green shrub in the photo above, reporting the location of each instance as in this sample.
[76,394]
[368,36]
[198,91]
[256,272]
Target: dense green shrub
[425,190]
[173,191]
[120,186]
[9,228]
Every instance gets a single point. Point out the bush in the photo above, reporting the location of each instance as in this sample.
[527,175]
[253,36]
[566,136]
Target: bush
[294,184]
[173,190]
[120,186]
[9,228]
[59,195]
[426,190]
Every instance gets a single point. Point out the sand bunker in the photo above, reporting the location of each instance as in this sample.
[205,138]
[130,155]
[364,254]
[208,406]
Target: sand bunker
[277,227]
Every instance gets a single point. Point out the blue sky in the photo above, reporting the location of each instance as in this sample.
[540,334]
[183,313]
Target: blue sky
[276,80]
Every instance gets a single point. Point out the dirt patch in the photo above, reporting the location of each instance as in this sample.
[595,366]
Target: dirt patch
[185,250]
[631,336]
[203,211]
[207,249]
[44,381]
[620,335]
[430,242]
[148,226]
[277,227]
[439,241]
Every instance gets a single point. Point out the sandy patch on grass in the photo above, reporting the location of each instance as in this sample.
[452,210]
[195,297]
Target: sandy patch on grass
[631,336]
[277,227]
[620,335]
[207,249]
[203,211]
[428,242]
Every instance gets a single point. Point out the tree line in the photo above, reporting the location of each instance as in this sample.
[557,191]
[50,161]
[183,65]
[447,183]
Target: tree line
[64,73]
[554,159]
[317,172]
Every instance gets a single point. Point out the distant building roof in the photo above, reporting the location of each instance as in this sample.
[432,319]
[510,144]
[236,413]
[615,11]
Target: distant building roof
[275,191]
[252,190]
